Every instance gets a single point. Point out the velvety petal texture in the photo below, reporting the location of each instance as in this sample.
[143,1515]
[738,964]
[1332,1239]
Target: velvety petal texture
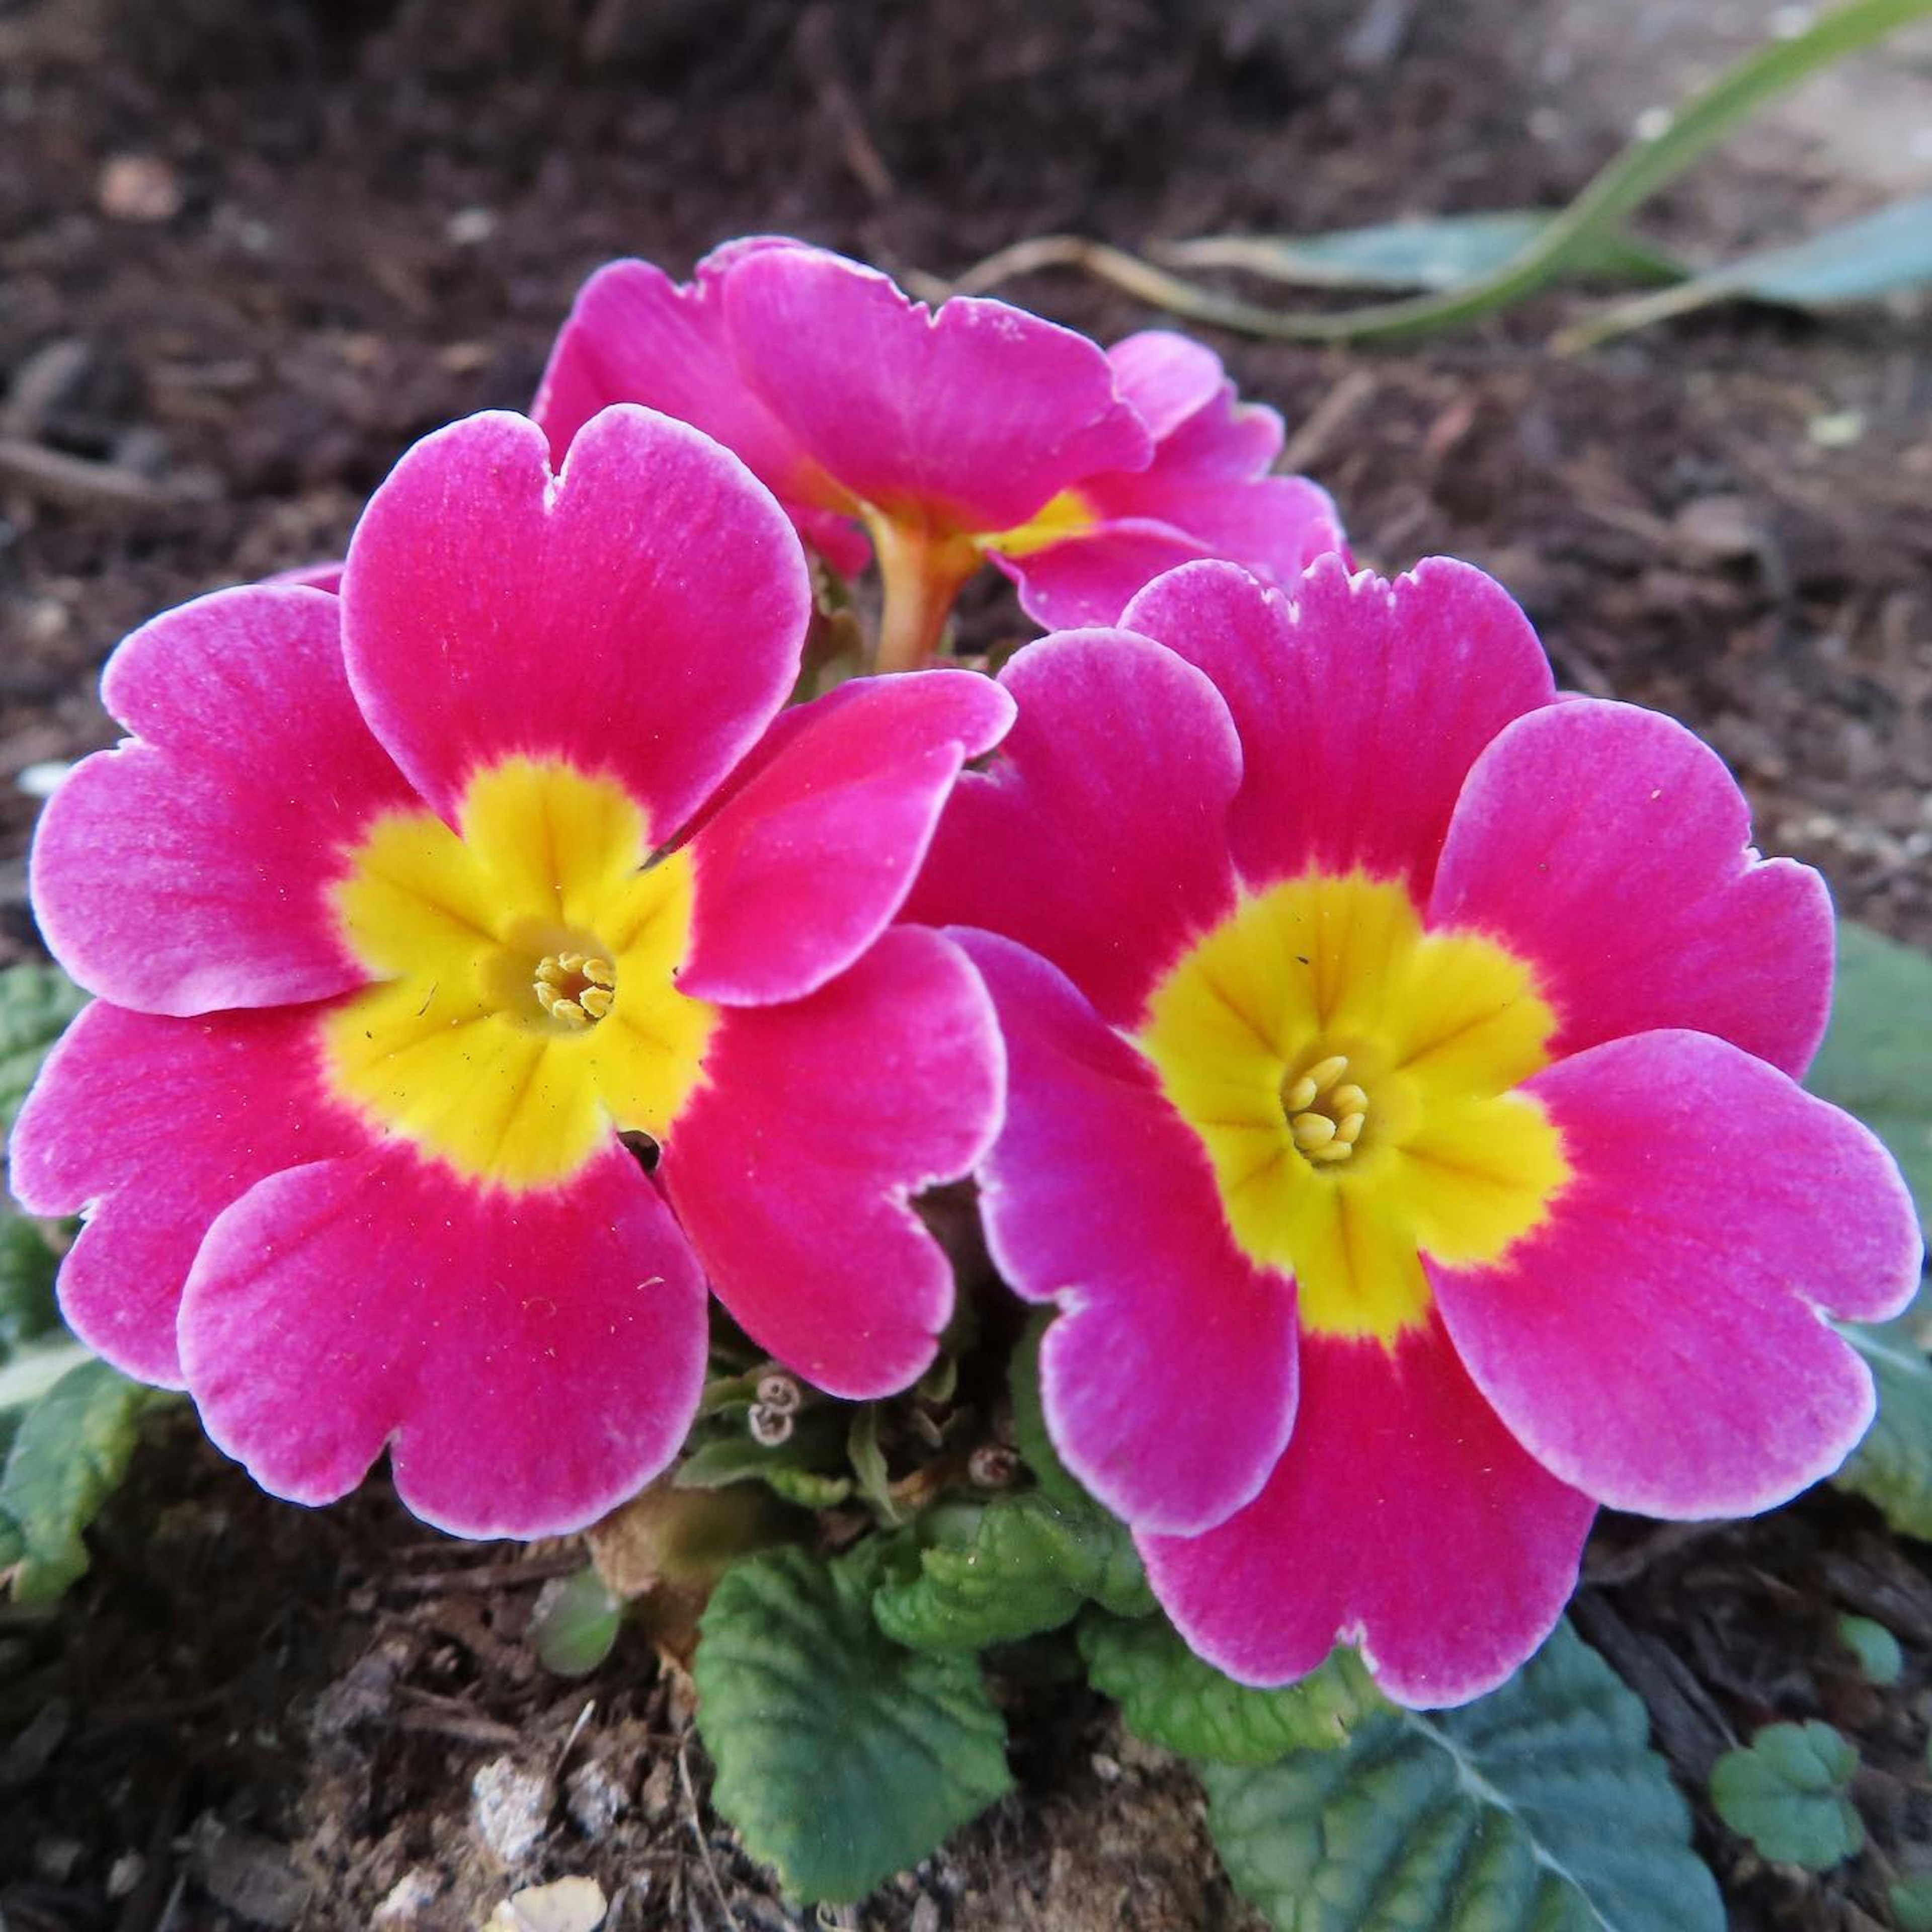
[532,1360]
[794,1168]
[151,1126]
[800,869]
[641,610]
[1170,1379]
[1403,1516]
[1360,995]
[1207,493]
[426,893]
[843,395]
[1612,848]
[1097,836]
[192,868]
[1716,1214]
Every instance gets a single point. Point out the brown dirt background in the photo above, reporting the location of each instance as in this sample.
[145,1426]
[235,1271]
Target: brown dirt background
[249,251]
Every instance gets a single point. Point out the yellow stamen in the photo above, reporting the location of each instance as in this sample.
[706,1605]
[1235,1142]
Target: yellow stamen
[1349,1099]
[1312,1130]
[596,1001]
[573,989]
[570,1013]
[1325,1073]
[1349,1129]
[1299,1097]
[1335,1150]
[600,973]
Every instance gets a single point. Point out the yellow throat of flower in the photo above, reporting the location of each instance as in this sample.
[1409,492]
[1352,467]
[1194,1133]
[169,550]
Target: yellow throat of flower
[524,1006]
[1351,1078]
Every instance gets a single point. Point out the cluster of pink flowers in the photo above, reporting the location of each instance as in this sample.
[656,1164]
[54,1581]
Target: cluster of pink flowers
[1387,1066]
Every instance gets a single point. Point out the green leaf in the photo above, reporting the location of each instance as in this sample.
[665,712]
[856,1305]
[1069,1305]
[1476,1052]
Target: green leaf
[36,1002]
[1538,1808]
[28,1267]
[1892,1467]
[1876,1649]
[841,1758]
[1877,1060]
[1785,1792]
[1171,1698]
[1027,1564]
[1911,1904]
[575,1624]
[1426,252]
[68,1456]
[1887,250]
[1571,236]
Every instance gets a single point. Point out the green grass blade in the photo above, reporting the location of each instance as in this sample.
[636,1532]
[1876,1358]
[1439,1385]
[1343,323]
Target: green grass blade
[1622,186]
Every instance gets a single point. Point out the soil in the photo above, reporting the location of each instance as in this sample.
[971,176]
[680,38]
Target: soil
[251,251]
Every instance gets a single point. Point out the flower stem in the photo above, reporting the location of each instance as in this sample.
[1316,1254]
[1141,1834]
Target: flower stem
[922,570]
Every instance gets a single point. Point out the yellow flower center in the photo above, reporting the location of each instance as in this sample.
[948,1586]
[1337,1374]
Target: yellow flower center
[495,1037]
[1352,1077]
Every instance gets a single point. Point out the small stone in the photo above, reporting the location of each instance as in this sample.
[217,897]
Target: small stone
[124,1874]
[508,1805]
[137,187]
[595,1798]
[408,1897]
[1106,1768]
[470,227]
[925,1915]
[570,1905]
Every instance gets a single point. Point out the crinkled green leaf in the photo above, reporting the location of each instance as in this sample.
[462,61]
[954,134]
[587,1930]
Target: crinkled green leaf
[1785,1792]
[1171,1698]
[1027,1564]
[28,1266]
[1876,1649]
[1876,1059]
[841,1757]
[1539,1808]
[36,1002]
[1892,1467]
[68,1455]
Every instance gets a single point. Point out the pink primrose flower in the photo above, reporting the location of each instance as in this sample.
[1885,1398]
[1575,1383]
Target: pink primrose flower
[974,431]
[1404,1114]
[402,905]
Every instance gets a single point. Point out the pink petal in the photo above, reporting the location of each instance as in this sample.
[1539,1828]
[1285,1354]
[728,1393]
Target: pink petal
[1089,579]
[1610,848]
[534,1359]
[1402,1517]
[635,336]
[1169,1382]
[192,868]
[972,417]
[800,870]
[1169,378]
[1361,704]
[1656,1341]
[1098,837]
[640,617]
[793,1166]
[153,1126]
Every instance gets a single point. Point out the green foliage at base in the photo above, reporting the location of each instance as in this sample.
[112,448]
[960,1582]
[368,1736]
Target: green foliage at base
[1538,1808]
[36,1002]
[1891,1468]
[1170,1697]
[1785,1792]
[69,1453]
[842,1758]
